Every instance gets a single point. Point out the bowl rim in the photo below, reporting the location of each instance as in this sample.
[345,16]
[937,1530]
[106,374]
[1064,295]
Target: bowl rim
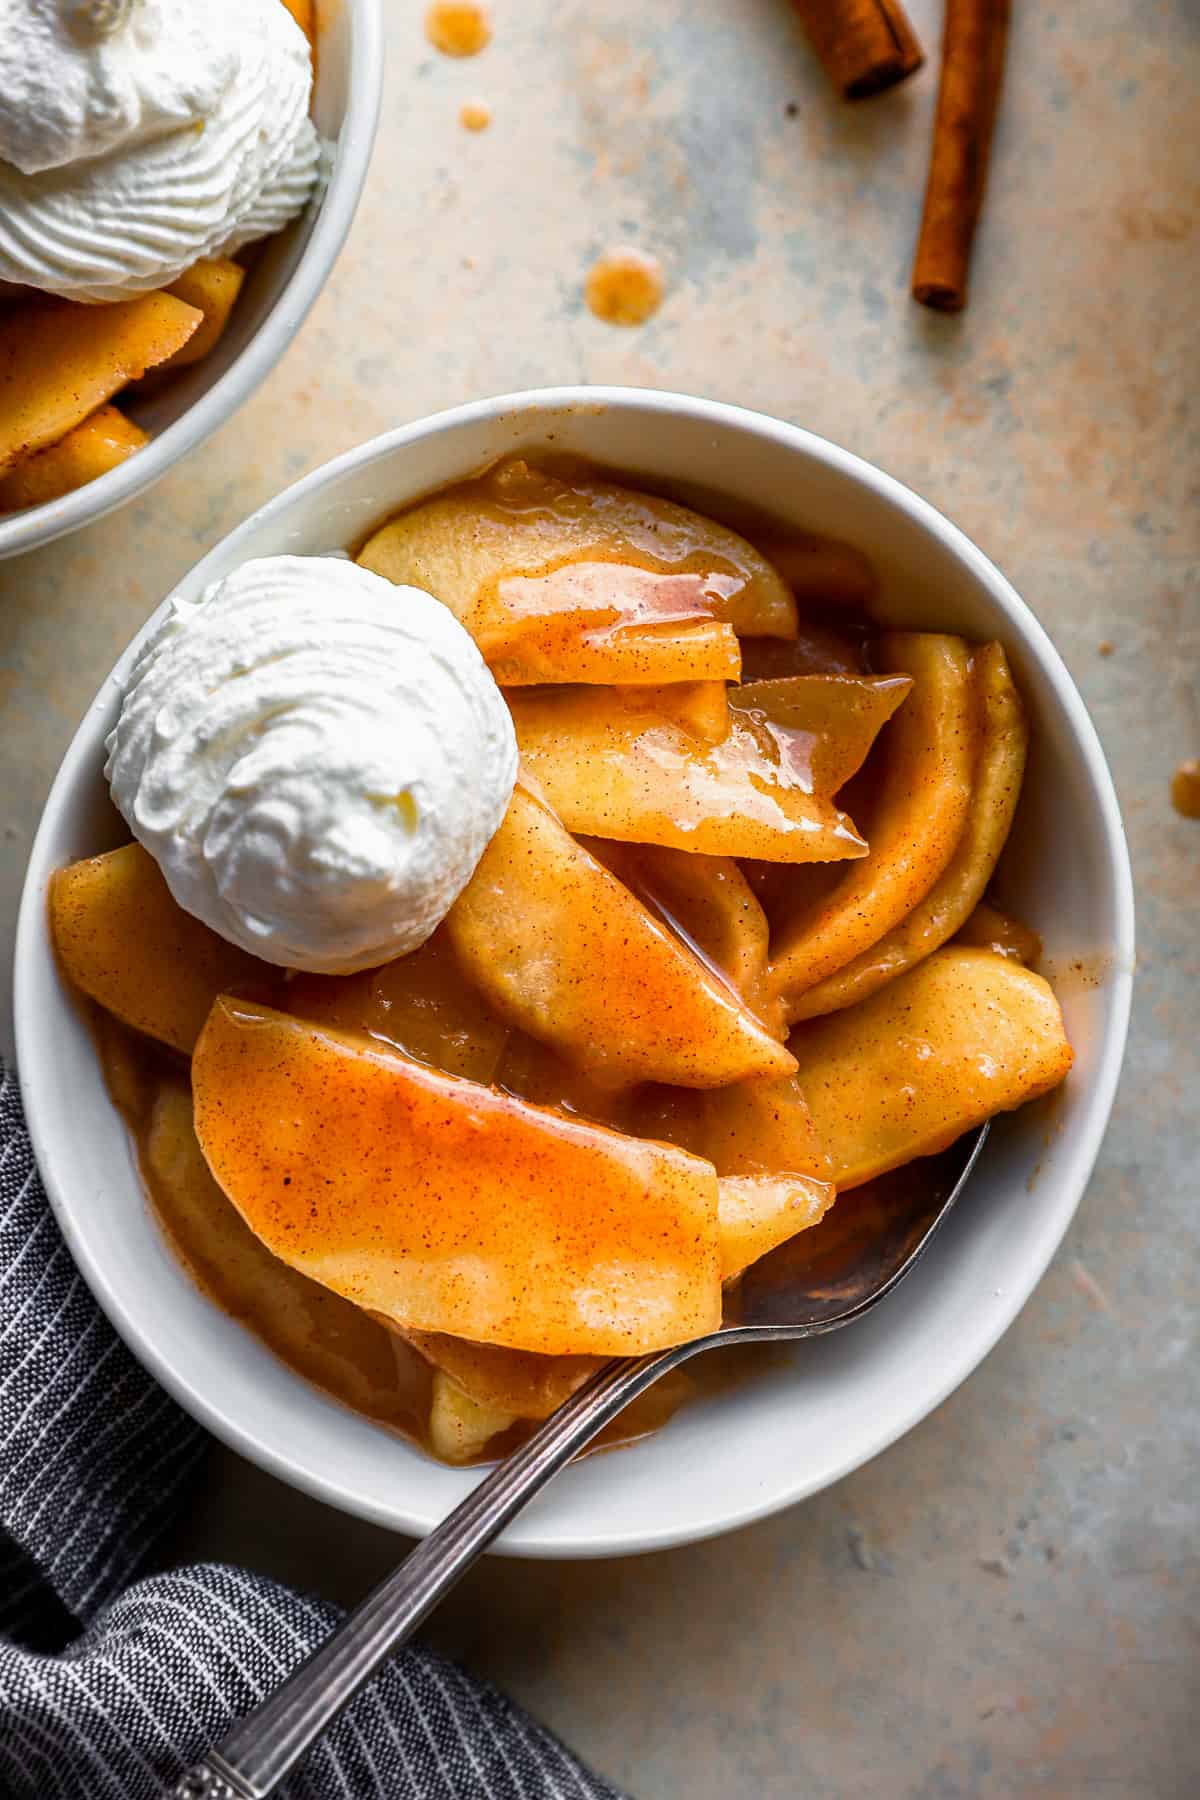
[540,1542]
[34,526]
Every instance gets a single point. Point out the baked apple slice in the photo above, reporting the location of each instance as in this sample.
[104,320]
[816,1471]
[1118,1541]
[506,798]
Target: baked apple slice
[561,948]
[775,1174]
[757,1213]
[60,360]
[929,754]
[605,623]
[103,441]
[460,1427]
[575,581]
[212,286]
[1003,737]
[708,902]
[446,1206]
[422,1004]
[991,928]
[123,940]
[517,1382]
[963,1035]
[765,791]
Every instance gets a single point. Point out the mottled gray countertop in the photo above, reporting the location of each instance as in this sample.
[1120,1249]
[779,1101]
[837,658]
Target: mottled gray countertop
[1005,1604]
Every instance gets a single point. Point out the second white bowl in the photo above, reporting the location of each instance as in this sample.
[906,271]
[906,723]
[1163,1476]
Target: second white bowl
[285,280]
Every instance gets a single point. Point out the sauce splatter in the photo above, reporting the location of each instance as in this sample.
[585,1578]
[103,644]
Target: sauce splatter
[625,287]
[1185,789]
[458,27]
[475,115]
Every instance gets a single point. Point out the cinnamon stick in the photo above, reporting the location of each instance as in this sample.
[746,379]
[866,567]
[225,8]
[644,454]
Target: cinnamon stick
[865,45]
[973,44]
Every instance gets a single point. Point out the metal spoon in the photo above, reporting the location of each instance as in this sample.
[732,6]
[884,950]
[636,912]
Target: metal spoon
[818,1282]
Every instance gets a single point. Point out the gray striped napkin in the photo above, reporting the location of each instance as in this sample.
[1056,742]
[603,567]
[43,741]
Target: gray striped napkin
[109,1691]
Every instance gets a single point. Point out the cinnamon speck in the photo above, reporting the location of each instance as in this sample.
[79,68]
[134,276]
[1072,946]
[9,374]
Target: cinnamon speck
[1105,647]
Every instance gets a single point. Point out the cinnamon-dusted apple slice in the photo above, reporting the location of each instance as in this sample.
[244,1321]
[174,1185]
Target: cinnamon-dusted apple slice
[825,573]
[927,758]
[460,1427]
[561,948]
[446,1206]
[757,1213]
[60,360]
[212,286]
[605,623]
[124,941]
[991,928]
[709,903]
[963,1035]
[766,790]
[1003,737]
[517,1382]
[422,1004]
[775,1174]
[701,708]
[102,442]
[520,554]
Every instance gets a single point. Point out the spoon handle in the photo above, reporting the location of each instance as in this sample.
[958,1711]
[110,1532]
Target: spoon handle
[261,1749]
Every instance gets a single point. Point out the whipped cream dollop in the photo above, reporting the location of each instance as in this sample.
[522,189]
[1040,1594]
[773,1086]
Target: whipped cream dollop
[128,154]
[315,758]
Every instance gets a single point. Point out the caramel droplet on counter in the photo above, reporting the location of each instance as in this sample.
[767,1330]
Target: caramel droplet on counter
[475,115]
[1185,789]
[625,287]
[458,27]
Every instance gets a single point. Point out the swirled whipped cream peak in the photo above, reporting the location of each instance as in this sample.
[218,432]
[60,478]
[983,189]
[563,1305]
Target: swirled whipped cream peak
[127,152]
[315,758]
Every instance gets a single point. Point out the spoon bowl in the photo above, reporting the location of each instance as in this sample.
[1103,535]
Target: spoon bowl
[818,1282]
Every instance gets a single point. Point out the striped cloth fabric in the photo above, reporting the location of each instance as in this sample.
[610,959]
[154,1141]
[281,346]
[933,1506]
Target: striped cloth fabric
[108,1691]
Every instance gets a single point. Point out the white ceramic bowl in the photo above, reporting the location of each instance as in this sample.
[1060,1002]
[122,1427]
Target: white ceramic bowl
[284,280]
[813,1413]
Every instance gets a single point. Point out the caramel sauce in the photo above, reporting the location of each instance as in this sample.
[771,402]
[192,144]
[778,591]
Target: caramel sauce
[625,287]
[1185,789]
[474,115]
[458,27]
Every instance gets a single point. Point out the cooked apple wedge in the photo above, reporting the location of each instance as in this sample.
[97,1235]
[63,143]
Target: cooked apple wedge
[701,708]
[757,1213]
[708,902]
[1002,735]
[585,581]
[561,948]
[825,573]
[103,441]
[422,1004]
[59,361]
[775,1174]
[446,1206]
[461,1428]
[766,790]
[125,942]
[762,1128]
[929,753]
[990,928]
[517,1382]
[963,1035]
[605,623]
[212,286]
